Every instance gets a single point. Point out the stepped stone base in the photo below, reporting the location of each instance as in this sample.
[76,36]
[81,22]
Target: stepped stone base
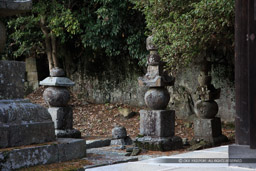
[62,117]
[64,149]
[159,144]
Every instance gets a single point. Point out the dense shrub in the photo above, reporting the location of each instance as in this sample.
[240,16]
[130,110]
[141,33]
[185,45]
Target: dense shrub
[190,30]
[110,28]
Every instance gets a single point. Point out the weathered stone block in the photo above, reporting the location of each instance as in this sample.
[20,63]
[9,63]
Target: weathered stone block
[59,151]
[32,76]
[26,134]
[57,81]
[12,74]
[12,7]
[154,71]
[18,158]
[97,143]
[119,132]
[207,128]
[24,123]
[32,85]
[158,81]
[122,141]
[159,144]
[68,133]
[31,64]
[160,123]
[62,117]
[71,149]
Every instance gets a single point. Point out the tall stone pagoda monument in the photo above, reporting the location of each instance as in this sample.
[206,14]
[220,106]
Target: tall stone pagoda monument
[207,126]
[157,125]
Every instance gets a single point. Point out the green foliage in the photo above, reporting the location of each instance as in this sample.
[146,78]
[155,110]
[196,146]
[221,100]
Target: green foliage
[110,28]
[20,36]
[190,30]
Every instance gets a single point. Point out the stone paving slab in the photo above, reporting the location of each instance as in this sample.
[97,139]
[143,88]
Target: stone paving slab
[107,156]
[136,167]
[156,165]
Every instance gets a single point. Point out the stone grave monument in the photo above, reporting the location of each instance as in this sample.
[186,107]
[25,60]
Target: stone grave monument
[57,97]
[157,125]
[23,123]
[206,125]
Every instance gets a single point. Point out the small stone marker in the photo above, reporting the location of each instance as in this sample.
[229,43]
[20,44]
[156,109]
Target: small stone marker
[120,137]
[119,132]
[57,97]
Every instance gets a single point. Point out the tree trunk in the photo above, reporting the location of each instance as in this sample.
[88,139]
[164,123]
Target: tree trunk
[54,57]
[47,42]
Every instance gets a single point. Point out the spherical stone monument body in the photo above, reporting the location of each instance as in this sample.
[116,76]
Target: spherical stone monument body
[206,109]
[157,98]
[56,96]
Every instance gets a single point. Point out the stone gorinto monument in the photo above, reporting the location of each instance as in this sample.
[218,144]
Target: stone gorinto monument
[207,126]
[157,125]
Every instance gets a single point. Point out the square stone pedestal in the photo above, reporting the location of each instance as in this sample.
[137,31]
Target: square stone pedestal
[63,122]
[242,156]
[160,123]
[157,128]
[209,130]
